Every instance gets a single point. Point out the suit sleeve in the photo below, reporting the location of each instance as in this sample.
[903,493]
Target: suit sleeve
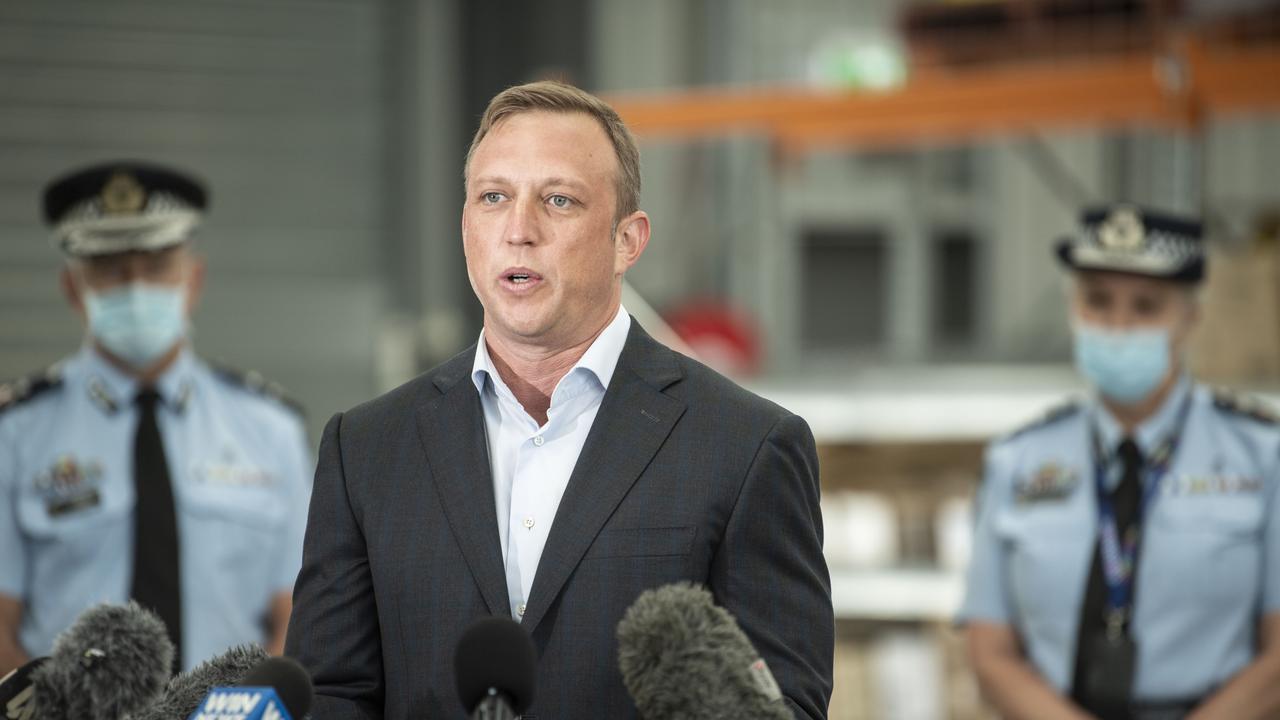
[769,571]
[334,628]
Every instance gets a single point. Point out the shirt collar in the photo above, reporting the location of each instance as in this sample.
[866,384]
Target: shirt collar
[111,389]
[600,359]
[1153,430]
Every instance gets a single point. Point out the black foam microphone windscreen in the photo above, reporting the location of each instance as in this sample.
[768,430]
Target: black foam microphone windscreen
[683,657]
[113,661]
[291,681]
[186,690]
[495,660]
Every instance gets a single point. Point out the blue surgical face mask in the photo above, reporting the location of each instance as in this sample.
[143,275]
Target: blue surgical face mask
[1125,365]
[138,323]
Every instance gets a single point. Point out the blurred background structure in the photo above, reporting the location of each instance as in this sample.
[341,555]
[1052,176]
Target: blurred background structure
[853,204]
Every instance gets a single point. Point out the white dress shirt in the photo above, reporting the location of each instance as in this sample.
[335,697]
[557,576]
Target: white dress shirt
[531,465]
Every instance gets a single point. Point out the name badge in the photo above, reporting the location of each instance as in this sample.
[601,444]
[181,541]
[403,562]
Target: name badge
[1051,481]
[224,474]
[70,486]
[1202,485]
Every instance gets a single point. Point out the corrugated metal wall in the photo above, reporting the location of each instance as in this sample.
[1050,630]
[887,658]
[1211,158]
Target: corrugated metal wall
[279,106]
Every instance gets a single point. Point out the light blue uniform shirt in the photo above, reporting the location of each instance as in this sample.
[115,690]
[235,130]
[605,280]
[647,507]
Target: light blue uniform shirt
[1210,562]
[241,469]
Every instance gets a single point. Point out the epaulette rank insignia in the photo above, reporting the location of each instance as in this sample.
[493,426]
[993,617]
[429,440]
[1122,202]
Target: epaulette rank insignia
[17,392]
[254,382]
[1059,412]
[1245,406]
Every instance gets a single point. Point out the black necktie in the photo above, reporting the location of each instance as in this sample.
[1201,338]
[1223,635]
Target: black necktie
[1126,500]
[1127,496]
[157,581]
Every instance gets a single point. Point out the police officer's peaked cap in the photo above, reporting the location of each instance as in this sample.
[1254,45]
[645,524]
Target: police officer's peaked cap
[1130,239]
[120,206]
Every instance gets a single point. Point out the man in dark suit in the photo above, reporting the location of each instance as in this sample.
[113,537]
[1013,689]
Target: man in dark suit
[557,468]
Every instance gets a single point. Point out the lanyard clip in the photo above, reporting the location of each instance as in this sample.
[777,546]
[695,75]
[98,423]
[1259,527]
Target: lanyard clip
[1117,622]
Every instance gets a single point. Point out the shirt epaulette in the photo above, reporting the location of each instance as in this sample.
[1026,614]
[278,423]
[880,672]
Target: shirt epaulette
[1057,413]
[1241,405]
[254,382]
[17,392]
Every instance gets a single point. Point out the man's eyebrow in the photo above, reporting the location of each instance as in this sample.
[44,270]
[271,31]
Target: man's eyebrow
[567,182]
[551,181]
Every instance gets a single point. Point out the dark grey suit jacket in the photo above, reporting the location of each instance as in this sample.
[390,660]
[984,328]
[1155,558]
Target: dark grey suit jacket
[684,476]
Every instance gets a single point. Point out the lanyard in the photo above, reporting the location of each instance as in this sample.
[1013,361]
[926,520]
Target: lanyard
[1120,555]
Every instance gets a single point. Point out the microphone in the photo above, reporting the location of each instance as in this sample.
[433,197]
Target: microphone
[277,688]
[682,657]
[112,661]
[186,690]
[17,690]
[496,667]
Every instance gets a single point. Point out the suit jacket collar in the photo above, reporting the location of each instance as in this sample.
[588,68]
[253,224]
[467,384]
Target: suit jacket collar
[650,360]
[451,428]
[634,420]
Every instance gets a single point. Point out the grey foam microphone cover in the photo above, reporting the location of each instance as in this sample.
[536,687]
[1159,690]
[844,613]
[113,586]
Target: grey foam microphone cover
[114,660]
[187,690]
[683,657]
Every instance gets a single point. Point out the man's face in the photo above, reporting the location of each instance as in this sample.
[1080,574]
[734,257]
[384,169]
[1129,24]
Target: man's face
[1118,301]
[175,266]
[543,255]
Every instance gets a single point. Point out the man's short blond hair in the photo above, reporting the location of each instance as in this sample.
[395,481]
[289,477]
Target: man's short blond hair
[553,96]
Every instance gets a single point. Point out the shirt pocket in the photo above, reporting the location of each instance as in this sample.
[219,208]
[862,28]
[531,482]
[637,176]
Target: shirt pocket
[235,530]
[106,508]
[1211,547]
[1043,570]
[642,543]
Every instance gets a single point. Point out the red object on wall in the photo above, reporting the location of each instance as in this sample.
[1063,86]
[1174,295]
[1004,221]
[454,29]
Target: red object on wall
[721,336]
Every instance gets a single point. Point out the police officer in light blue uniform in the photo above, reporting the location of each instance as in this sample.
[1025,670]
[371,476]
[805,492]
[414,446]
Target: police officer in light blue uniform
[1127,553]
[133,469]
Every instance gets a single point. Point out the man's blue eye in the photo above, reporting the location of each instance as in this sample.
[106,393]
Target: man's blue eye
[492,197]
[561,201]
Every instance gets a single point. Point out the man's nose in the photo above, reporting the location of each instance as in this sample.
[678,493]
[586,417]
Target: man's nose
[522,222]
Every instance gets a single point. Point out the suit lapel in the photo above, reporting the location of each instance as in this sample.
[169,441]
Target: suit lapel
[452,430]
[634,419]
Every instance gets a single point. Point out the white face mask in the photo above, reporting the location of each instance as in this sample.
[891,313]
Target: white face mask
[1125,365]
[138,322]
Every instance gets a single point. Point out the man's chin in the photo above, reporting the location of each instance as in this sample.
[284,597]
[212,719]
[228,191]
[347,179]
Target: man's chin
[526,327]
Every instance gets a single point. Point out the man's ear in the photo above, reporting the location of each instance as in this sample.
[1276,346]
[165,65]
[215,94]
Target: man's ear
[195,282]
[630,240]
[1190,318]
[71,290]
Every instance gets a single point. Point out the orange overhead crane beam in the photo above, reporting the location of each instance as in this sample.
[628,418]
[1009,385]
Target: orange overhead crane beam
[1237,80]
[1168,91]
